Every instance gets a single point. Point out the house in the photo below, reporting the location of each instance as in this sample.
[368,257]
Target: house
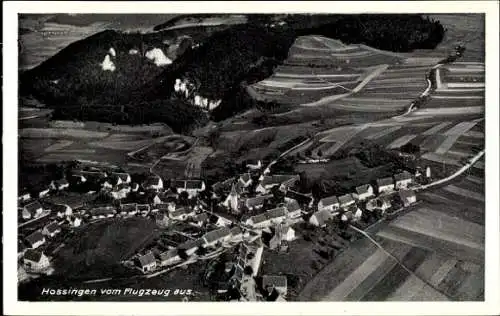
[232,200]
[32,210]
[215,236]
[353,213]
[402,180]
[245,179]
[182,214]
[24,196]
[153,183]
[52,229]
[303,199]
[385,185]
[143,209]
[222,221]
[236,234]
[381,203]
[320,218]
[120,177]
[59,185]
[346,200]
[363,192]
[200,219]
[407,197]
[192,187]
[284,181]
[147,262]
[191,245]
[62,210]
[330,203]
[273,216]
[43,192]
[36,239]
[76,221]
[102,212]
[35,261]
[120,191]
[275,282]
[128,209]
[257,202]
[169,257]
[281,233]
[162,220]
[293,208]
[163,207]
[165,197]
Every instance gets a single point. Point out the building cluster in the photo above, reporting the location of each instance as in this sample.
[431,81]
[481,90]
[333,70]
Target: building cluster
[187,90]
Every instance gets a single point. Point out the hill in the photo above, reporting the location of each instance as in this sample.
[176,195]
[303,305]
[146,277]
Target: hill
[215,69]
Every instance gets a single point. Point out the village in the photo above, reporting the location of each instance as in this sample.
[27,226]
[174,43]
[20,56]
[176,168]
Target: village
[239,216]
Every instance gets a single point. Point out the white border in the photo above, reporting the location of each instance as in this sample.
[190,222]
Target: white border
[12,307]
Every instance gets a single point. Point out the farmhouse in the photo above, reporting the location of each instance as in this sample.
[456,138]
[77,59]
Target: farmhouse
[35,261]
[128,209]
[36,239]
[102,212]
[385,185]
[293,208]
[275,282]
[32,210]
[192,187]
[346,200]
[182,214]
[402,180]
[169,257]
[257,202]
[76,221]
[320,218]
[330,203]
[407,197]
[147,262]
[232,200]
[363,192]
[153,183]
[284,181]
[245,179]
[219,235]
[353,214]
[43,192]
[191,246]
[52,229]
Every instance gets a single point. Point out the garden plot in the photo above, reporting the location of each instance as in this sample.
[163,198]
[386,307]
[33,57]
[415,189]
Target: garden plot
[61,144]
[58,133]
[437,128]
[464,192]
[442,159]
[384,132]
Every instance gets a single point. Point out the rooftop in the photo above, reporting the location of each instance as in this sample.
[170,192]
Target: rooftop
[217,234]
[384,181]
[346,198]
[274,281]
[405,175]
[147,259]
[33,255]
[331,200]
[52,227]
[32,207]
[192,243]
[35,237]
[363,189]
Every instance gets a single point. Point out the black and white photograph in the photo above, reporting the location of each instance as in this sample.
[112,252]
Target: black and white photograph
[206,156]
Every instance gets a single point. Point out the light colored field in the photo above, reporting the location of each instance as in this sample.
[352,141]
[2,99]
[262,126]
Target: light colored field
[383,133]
[464,192]
[447,143]
[121,145]
[479,165]
[436,128]
[56,133]
[438,225]
[403,140]
[475,179]
[357,276]
[474,134]
[59,145]
[450,111]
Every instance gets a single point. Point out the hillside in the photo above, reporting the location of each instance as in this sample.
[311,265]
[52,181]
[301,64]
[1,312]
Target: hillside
[109,74]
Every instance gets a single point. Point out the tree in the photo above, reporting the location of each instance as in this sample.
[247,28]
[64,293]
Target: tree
[248,270]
